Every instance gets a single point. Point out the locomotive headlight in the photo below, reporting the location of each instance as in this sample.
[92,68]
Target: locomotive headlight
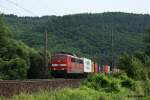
[62,64]
[54,68]
[54,65]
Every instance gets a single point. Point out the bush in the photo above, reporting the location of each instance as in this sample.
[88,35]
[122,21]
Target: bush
[148,74]
[121,75]
[115,86]
[13,69]
[14,60]
[128,83]
[98,81]
[133,67]
[116,83]
[103,83]
[146,87]
[36,62]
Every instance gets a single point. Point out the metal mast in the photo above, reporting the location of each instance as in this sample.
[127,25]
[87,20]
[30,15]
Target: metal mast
[45,55]
[112,49]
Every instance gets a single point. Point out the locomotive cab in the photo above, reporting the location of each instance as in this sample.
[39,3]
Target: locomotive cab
[65,65]
[58,65]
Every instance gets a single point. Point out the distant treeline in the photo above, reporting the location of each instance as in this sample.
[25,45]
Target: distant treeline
[84,34]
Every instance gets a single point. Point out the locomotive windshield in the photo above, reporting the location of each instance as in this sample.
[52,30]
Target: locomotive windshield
[59,57]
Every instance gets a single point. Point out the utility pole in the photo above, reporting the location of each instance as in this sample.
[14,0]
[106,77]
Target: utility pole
[45,55]
[112,49]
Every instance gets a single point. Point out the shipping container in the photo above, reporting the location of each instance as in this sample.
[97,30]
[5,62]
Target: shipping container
[106,69]
[95,68]
[87,65]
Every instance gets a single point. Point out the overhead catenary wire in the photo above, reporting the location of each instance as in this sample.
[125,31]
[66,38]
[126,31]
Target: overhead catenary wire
[19,6]
[4,8]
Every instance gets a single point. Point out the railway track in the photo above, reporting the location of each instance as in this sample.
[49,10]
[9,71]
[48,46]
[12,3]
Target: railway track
[14,87]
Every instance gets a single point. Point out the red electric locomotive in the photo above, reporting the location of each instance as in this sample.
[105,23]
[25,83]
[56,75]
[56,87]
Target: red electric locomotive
[63,64]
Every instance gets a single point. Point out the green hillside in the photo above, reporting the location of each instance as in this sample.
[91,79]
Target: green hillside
[84,34]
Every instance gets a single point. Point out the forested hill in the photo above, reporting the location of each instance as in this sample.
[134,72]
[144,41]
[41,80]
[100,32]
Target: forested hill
[84,34]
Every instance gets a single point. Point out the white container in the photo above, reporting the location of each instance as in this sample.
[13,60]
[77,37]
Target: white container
[87,65]
[108,69]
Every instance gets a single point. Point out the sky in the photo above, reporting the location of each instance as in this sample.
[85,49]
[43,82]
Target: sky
[65,7]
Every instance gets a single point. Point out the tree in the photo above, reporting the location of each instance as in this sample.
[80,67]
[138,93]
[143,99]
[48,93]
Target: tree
[14,61]
[36,65]
[147,42]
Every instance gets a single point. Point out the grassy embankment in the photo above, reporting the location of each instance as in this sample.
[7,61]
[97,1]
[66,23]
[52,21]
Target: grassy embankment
[96,87]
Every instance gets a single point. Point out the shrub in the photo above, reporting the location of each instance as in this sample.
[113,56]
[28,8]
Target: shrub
[13,69]
[103,83]
[121,75]
[98,81]
[146,87]
[115,86]
[133,67]
[128,83]
[149,74]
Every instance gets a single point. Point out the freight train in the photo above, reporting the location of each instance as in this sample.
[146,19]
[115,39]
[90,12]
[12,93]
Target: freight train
[65,64]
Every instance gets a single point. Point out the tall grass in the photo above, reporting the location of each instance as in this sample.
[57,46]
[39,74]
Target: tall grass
[96,87]
[82,93]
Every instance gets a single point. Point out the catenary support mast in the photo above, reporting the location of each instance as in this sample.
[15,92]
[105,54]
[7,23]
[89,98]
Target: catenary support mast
[45,55]
[112,49]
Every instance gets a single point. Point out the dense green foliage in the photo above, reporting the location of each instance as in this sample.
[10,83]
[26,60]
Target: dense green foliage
[17,59]
[37,69]
[85,34]
[120,84]
[134,66]
[147,42]
[13,56]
